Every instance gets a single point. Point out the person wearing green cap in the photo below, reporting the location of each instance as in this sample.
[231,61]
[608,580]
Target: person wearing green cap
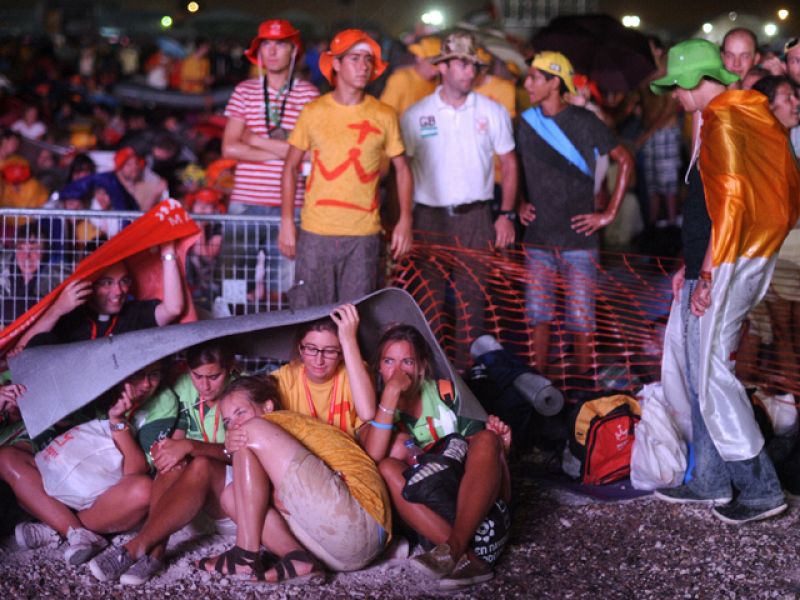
[744,197]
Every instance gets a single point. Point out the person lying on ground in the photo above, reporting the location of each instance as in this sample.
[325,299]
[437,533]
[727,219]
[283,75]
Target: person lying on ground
[118,508]
[412,402]
[196,481]
[303,489]
[328,379]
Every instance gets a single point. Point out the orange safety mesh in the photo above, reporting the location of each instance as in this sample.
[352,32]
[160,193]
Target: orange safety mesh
[632,301]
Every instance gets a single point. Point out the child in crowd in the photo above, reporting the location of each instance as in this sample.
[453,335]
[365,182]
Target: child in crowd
[412,400]
[328,379]
[191,467]
[118,508]
[303,489]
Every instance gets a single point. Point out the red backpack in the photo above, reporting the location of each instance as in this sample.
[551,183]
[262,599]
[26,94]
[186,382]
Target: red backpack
[603,435]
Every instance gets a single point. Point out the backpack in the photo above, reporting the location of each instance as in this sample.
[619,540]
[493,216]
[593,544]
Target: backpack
[602,440]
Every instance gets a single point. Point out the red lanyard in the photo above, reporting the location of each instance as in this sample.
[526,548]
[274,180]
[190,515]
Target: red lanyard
[93,333]
[343,407]
[203,423]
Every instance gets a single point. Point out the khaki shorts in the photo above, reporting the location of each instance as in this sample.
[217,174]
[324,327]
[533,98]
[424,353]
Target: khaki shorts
[325,518]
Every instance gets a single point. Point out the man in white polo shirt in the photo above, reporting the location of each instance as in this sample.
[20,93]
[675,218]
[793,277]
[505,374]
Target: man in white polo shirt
[451,138]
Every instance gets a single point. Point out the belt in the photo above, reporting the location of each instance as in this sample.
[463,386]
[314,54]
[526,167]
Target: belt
[460,209]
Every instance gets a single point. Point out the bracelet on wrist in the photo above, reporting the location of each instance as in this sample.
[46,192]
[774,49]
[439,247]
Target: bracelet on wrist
[227,454]
[705,276]
[384,426]
[386,411]
[121,426]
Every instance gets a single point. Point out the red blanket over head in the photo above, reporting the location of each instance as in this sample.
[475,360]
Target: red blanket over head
[137,244]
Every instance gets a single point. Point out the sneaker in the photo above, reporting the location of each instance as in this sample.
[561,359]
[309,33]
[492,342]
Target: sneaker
[82,545]
[436,563]
[737,514]
[142,570]
[111,563]
[468,571]
[35,535]
[683,494]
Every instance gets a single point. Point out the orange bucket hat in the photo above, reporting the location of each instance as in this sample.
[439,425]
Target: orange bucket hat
[341,43]
[273,29]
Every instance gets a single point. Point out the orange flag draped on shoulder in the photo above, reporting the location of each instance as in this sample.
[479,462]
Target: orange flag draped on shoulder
[138,245]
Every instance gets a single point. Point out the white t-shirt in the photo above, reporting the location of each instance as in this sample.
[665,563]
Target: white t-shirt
[451,149]
[34,131]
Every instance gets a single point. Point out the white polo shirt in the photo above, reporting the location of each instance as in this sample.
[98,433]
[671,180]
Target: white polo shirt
[451,149]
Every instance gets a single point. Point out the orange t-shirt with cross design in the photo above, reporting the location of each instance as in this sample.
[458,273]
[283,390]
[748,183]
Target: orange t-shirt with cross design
[346,143]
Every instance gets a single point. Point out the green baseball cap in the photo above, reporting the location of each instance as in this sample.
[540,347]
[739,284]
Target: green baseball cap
[690,61]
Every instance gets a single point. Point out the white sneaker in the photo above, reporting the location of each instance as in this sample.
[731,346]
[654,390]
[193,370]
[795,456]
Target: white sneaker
[35,535]
[82,545]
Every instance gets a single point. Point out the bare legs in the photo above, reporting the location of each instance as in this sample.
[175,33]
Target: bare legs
[178,496]
[258,471]
[483,482]
[118,509]
[18,470]
[582,342]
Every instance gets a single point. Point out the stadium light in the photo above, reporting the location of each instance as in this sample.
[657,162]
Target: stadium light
[770,29]
[193,7]
[433,17]
[166,21]
[708,28]
[783,14]
[632,21]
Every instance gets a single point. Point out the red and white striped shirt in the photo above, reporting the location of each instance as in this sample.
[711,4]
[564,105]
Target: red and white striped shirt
[260,182]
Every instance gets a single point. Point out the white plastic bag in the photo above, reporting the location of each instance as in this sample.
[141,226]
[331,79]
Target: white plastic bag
[659,453]
[80,465]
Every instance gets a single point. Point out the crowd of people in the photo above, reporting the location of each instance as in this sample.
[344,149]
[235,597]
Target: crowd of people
[312,461]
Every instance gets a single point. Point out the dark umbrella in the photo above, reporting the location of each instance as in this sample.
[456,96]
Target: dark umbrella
[613,56]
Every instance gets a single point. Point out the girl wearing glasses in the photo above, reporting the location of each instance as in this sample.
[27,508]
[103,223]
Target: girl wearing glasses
[328,379]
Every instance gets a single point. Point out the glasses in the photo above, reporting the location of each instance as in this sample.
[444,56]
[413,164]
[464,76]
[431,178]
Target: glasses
[791,44]
[313,351]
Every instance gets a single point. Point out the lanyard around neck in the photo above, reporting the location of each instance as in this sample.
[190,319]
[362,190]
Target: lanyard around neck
[344,407]
[203,423]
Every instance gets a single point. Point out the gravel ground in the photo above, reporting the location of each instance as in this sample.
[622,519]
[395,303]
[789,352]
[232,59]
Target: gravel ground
[563,545]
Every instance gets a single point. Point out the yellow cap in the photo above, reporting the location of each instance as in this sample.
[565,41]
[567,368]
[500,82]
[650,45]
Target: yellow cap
[556,64]
[426,47]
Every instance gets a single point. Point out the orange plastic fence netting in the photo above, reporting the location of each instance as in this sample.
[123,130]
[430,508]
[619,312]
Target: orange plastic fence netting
[468,293]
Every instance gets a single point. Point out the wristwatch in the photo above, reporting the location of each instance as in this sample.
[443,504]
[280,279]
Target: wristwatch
[121,426]
[511,215]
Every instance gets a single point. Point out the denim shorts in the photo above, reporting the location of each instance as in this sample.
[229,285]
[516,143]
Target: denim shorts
[574,274]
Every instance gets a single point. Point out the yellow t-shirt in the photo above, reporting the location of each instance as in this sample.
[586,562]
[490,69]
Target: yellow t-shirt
[293,396]
[193,74]
[346,145]
[503,92]
[28,194]
[404,88]
[343,455]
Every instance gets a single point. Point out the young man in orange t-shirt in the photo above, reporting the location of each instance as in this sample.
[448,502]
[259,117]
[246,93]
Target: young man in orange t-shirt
[347,132]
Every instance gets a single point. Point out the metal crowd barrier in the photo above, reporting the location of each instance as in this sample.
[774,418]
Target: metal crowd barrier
[235,269]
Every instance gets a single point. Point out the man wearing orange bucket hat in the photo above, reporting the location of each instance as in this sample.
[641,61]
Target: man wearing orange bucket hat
[347,133]
[261,112]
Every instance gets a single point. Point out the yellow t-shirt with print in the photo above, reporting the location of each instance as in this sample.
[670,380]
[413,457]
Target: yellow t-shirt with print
[342,455]
[293,396]
[346,145]
[406,87]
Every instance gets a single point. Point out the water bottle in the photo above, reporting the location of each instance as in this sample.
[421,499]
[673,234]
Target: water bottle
[413,452]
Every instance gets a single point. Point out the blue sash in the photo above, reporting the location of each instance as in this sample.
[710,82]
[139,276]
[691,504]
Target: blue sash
[551,133]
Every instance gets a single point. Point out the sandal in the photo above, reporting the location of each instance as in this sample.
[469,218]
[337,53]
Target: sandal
[287,574]
[226,563]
